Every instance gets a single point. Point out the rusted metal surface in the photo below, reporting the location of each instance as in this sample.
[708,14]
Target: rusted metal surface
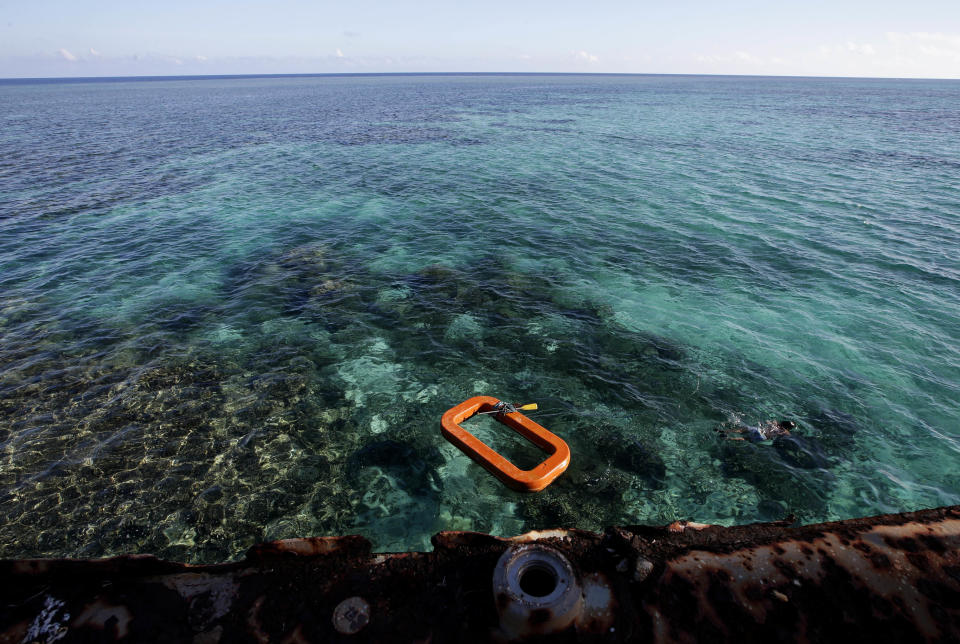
[881,579]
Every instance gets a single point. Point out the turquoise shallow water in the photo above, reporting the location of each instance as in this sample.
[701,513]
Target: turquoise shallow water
[234,310]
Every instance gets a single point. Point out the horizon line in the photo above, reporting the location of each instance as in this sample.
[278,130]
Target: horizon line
[82,79]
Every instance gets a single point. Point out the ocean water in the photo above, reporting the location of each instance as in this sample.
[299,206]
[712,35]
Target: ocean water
[234,310]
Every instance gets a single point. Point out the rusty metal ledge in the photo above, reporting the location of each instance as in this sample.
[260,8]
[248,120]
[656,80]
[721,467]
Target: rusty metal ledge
[885,578]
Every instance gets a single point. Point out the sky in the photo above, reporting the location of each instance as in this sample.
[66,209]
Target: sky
[879,38]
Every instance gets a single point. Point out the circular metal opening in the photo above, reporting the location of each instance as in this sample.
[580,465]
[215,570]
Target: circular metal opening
[538,580]
[536,591]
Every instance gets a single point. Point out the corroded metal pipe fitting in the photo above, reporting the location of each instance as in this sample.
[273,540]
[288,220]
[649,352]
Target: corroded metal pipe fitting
[536,590]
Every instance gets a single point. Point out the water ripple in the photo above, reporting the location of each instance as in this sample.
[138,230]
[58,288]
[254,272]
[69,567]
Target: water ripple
[234,310]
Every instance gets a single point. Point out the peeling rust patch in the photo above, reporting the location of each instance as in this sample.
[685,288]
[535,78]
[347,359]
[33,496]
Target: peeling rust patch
[886,578]
[311,547]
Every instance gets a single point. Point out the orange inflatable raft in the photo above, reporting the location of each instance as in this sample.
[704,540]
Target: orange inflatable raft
[531,480]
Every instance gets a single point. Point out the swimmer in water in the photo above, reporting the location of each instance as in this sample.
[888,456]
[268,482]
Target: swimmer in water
[765,431]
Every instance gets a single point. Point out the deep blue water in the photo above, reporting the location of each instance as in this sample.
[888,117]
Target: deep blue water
[235,309]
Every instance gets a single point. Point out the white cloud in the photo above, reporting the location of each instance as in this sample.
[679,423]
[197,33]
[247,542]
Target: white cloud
[893,54]
[339,53]
[66,55]
[935,45]
[865,49]
[95,53]
[848,50]
[898,55]
[586,57]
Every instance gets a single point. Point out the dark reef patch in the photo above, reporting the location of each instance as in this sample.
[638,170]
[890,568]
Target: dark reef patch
[803,492]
